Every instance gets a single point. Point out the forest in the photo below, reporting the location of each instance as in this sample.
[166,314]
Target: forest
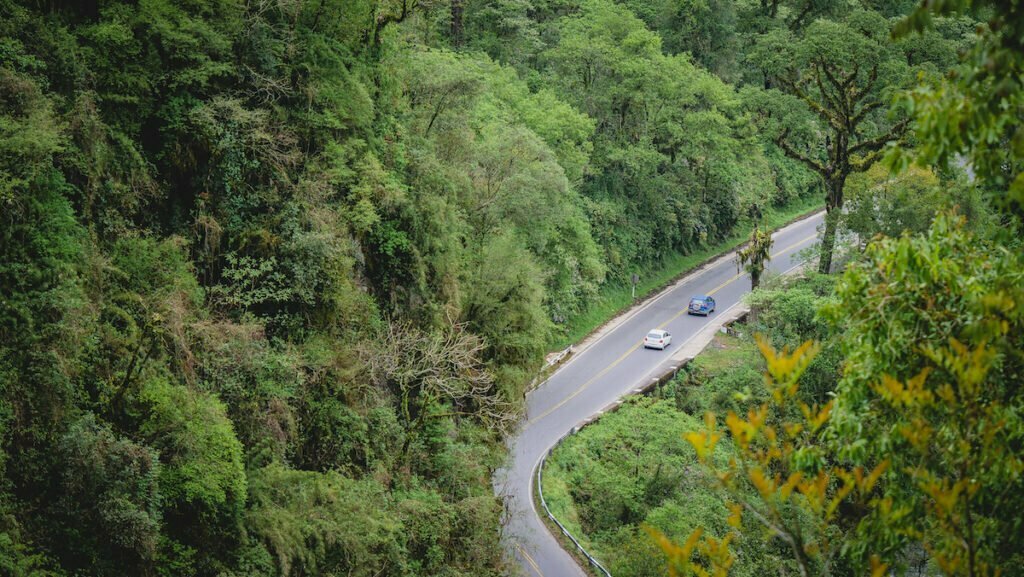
[275,274]
[864,418]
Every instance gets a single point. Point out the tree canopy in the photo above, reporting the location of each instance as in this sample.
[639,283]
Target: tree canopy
[276,274]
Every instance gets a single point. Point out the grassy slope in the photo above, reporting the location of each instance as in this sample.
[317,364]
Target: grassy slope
[724,355]
[694,504]
[615,298]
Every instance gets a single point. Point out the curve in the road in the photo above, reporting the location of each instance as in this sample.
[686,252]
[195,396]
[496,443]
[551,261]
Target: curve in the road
[586,384]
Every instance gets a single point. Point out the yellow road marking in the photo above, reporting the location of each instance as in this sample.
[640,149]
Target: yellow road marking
[585,385]
[529,559]
[605,370]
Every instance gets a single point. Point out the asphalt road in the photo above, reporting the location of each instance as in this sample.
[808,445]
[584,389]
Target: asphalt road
[609,366]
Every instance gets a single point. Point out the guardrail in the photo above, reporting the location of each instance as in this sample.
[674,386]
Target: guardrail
[557,358]
[540,493]
[665,377]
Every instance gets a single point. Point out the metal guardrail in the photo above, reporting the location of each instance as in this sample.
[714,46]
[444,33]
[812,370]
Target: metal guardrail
[665,377]
[561,355]
[540,493]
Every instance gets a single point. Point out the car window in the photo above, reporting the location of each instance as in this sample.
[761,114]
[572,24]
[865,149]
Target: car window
[653,335]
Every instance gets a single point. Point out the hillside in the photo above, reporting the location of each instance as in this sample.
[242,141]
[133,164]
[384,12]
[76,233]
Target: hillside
[276,273]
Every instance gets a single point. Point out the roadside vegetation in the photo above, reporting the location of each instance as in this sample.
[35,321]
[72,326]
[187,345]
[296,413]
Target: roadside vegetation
[275,273]
[873,424]
[633,469]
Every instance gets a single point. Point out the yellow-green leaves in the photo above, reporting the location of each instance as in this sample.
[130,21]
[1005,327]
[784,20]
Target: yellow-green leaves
[700,555]
[778,480]
[704,442]
[785,368]
[932,329]
[910,393]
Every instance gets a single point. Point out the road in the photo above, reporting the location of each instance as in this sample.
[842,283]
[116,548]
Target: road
[606,367]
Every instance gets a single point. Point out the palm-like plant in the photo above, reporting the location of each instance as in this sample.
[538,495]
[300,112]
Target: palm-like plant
[753,257]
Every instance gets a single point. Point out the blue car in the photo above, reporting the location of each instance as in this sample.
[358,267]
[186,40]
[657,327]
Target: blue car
[701,305]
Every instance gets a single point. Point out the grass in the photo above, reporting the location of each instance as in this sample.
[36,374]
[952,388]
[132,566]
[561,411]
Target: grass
[726,353]
[561,505]
[615,298]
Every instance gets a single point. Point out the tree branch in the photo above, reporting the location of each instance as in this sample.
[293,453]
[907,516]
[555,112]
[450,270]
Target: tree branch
[880,141]
[868,109]
[796,23]
[387,19]
[781,533]
[832,101]
[815,107]
[840,87]
[795,155]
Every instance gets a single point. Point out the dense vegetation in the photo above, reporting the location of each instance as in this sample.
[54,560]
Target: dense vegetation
[633,469]
[879,430]
[274,273]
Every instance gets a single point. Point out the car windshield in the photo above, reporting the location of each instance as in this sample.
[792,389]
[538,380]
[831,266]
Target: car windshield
[654,335]
[697,302]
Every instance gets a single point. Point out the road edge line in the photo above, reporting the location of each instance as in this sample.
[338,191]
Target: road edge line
[536,480]
[572,352]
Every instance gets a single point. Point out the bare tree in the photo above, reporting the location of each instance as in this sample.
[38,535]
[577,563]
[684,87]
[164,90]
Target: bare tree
[436,375]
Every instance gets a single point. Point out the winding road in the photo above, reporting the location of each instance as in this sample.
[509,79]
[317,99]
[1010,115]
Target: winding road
[605,367]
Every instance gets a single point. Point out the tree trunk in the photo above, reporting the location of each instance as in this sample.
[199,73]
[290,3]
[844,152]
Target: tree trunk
[833,210]
[828,241]
[457,7]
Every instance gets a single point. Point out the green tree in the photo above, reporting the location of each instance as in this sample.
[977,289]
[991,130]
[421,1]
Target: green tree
[879,203]
[917,449]
[930,380]
[109,513]
[672,164]
[973,117]
[845,72]
[202,479]
[755,254]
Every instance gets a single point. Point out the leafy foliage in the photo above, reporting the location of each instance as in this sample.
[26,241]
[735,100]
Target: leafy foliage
[974,114]
[753,256]
[906,463]
[276,274]
[942,400]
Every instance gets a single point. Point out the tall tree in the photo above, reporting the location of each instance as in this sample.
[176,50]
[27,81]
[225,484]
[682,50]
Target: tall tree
[753,257]
[844,73]
[457,9]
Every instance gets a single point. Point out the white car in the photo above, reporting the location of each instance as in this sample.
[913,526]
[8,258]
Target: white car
[657,339]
